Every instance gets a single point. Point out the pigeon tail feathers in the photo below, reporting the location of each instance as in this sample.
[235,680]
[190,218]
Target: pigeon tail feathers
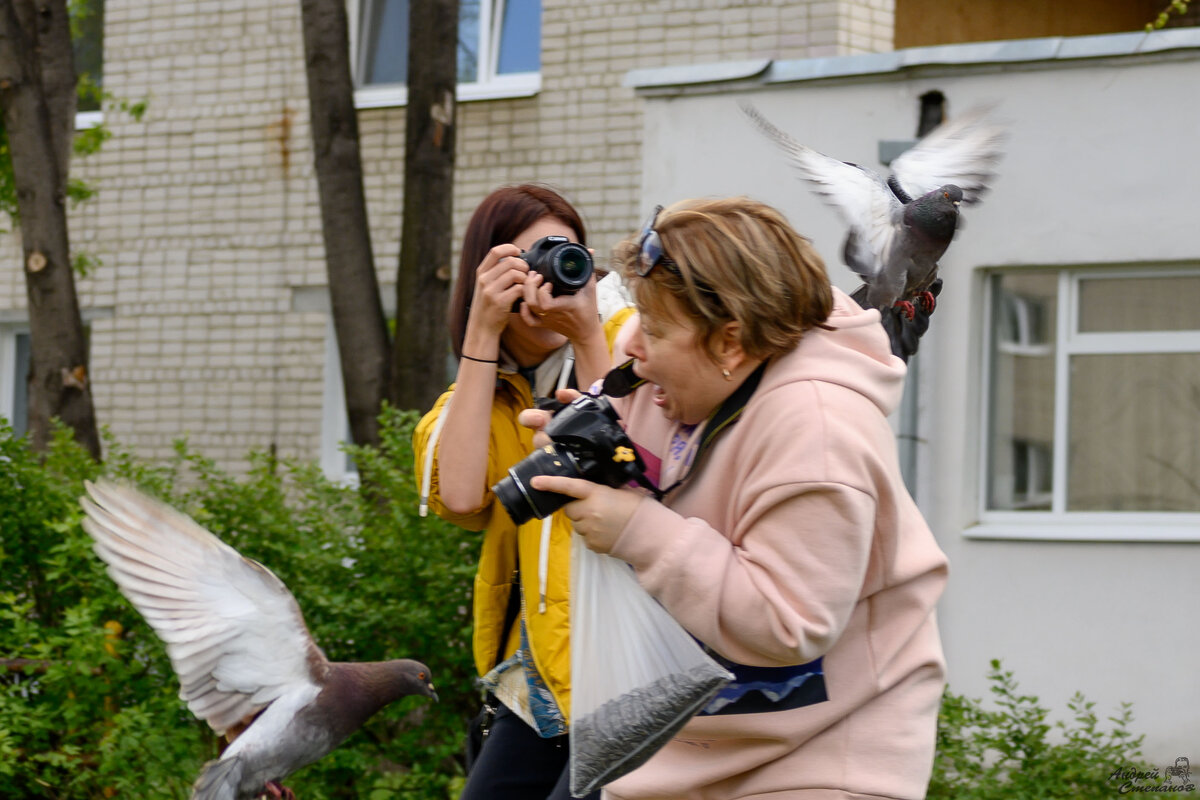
[219,780]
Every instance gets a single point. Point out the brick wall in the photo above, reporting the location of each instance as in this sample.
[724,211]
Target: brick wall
[206,218]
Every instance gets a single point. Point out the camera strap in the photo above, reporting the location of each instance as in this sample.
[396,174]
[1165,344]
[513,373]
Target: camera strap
[621,381]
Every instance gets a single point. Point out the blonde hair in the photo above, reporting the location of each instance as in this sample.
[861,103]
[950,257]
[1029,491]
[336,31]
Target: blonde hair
[738,260]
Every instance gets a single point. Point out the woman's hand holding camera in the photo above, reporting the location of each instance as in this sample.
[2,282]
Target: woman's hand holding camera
[499,282]
[503,279]
[599,513]
[573,315]
[536,418]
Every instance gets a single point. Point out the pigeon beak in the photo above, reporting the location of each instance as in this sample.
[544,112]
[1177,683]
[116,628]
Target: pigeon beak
[432,693]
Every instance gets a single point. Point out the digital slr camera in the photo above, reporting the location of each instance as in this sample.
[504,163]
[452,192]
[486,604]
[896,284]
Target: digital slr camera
[565,265]
[587,441]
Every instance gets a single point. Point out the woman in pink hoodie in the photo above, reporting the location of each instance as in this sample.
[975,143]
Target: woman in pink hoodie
[786,542]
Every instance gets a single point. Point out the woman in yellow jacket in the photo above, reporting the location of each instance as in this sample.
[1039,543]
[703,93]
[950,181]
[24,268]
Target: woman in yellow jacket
[515,343]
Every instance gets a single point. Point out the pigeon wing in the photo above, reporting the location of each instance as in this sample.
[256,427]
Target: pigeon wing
[963,151]
[862,198]
[233,631]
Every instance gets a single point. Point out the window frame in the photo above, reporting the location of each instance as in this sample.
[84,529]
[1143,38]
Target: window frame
[9,379]
[14,324]
[1059,524]
[488,86]
[85,120]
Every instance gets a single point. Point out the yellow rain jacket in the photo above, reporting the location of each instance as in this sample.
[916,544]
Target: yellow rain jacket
[506,548]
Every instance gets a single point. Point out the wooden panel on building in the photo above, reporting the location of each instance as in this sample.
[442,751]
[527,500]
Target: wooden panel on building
[929,22]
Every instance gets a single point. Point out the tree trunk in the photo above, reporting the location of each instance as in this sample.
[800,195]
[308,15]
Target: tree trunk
[358,318]
[37,95]
[422,285]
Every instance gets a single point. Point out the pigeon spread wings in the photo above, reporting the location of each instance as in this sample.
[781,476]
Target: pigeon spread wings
[234,632]
[963,151]
[862,199]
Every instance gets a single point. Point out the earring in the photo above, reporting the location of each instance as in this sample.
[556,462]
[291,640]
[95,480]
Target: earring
[725,372]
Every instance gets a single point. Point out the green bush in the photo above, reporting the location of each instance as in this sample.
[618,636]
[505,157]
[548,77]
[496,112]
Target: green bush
[88,700]
[1012,753]
[87,711]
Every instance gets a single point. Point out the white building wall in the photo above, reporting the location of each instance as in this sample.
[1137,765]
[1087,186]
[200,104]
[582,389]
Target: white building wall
[1100,169]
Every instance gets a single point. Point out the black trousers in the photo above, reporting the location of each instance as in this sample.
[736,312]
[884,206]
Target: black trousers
[517,764]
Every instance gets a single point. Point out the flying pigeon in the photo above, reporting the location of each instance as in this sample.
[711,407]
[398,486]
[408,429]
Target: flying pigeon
[901,226]
[246,662]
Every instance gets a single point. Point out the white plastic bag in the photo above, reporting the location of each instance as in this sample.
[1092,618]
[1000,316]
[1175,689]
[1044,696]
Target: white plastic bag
[636,675]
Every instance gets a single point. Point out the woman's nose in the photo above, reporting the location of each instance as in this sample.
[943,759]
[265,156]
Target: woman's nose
[633,348]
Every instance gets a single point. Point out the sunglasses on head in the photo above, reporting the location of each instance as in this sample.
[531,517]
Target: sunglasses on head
[651,255]
[650,249]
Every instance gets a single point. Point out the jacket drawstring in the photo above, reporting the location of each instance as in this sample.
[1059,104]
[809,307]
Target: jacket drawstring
[544,548]
[427,478]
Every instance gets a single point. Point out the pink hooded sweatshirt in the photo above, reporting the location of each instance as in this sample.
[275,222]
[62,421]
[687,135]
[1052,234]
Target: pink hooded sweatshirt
[795,539]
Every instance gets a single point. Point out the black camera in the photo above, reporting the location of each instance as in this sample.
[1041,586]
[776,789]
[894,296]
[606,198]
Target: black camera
[565,265]
[587,441]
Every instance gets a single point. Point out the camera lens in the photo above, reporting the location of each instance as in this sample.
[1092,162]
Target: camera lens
[572,267]
[522,501]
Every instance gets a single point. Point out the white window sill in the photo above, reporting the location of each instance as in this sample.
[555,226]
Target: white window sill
[499,88]
[1116,527]
[88,119]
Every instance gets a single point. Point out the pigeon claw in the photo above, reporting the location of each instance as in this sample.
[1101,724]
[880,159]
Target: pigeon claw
[277,791]
[928,301]
[906,308]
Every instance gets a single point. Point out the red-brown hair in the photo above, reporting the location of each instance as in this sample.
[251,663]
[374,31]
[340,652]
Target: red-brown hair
[499,219]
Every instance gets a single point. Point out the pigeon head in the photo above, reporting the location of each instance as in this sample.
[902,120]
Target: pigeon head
[935,214]
[403,677]
[374,684]
[354,691]
[950,192]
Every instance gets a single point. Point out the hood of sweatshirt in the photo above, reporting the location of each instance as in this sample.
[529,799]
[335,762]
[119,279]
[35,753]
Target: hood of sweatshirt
[855,354]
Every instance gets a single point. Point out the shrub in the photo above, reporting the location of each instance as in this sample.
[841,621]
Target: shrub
[88,710]
[88,700]
[1012,753]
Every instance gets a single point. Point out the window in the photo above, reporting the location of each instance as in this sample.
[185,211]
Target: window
[14,378]
[87,42]
[499,49]
[1093,403]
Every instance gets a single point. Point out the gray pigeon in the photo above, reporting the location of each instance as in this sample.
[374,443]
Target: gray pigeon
[246,662]
[901,226]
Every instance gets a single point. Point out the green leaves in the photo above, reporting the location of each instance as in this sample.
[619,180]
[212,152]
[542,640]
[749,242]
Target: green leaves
[94,712]
[1012,753]
[91,710]
[1164,17]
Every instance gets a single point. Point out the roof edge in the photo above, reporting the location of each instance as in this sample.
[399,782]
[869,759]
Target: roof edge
[677,79]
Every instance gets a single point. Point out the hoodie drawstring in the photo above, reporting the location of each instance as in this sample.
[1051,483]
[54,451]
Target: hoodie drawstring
[544,547]
[427,478]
